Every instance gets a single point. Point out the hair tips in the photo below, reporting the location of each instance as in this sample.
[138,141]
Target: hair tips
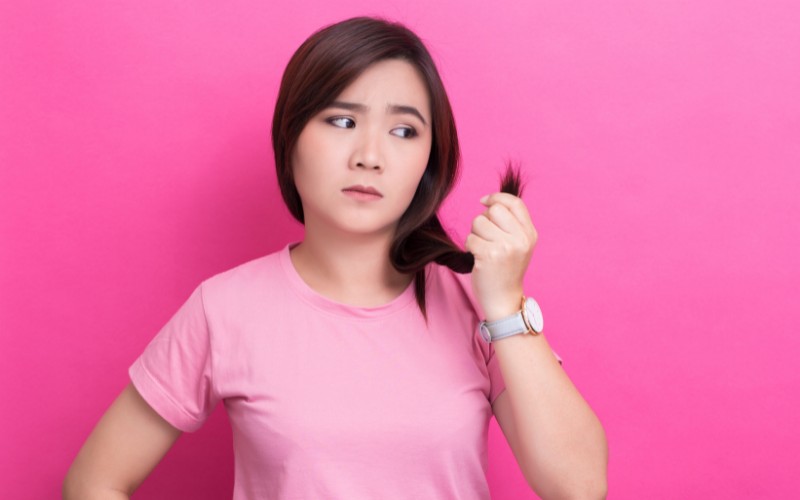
[430,242]
[511,181]
[328,61]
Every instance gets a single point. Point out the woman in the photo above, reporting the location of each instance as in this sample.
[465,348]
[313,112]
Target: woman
[349,363]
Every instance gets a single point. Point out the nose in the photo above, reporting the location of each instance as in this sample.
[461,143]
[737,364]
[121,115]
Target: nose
[367,153]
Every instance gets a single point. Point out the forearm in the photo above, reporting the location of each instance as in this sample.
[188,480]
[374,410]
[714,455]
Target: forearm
[563,445]
[559,442]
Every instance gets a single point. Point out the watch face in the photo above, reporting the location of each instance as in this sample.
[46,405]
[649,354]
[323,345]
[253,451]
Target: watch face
[534,315]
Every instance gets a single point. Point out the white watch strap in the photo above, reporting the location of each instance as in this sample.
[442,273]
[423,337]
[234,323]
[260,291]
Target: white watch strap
[527,320]
[506,327]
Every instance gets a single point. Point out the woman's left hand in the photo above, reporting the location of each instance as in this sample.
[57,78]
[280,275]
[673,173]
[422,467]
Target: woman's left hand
[502,241]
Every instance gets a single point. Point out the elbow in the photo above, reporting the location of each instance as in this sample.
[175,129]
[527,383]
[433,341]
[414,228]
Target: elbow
[593,483]
[73,489]
[589,490]
[75,485]
[595,490]
[77,489]
[598,493]
[70,487]
[584,478]
[602,491]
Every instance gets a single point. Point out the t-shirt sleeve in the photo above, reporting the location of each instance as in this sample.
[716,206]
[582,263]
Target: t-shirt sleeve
[496,378]
[174,374]
[492,362]
[496,383]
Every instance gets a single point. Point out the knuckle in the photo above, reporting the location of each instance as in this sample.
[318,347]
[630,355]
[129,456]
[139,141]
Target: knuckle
[476,222]
[495,209]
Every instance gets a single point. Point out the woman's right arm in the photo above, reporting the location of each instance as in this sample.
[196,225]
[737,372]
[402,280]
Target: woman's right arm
[124,447]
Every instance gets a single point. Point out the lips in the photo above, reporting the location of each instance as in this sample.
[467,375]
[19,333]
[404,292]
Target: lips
[363,189]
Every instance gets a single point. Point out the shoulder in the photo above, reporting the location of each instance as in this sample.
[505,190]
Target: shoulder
[451,288]
[243,279]
[444,278]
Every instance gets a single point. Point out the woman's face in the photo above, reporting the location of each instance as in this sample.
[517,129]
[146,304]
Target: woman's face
[376,135]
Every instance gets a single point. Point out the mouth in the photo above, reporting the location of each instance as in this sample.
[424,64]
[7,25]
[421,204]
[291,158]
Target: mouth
[365,190]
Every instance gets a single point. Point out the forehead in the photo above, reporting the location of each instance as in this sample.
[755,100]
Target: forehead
[390,81]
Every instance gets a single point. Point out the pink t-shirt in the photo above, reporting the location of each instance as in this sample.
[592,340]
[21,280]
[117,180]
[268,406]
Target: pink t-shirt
[327,400]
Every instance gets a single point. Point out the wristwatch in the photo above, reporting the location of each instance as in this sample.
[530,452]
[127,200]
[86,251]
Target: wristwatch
[528,320]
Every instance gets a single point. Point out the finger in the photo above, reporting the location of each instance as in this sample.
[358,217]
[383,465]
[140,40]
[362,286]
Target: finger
[475,244]
[500,215]
[486,229]
[513,203]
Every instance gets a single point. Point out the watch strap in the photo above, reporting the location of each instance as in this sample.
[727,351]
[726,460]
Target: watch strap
[515,324]
[508,326]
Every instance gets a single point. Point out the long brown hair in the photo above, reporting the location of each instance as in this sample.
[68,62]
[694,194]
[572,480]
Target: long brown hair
[321,68]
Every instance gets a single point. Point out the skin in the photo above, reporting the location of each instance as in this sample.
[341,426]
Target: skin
[558,442]
[345,252]
[123,448]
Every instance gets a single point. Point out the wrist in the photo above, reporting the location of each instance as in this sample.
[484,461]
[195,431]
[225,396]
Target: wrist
[502,307]
[527,320]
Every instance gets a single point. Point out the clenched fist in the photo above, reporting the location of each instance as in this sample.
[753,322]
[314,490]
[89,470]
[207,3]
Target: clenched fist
[502,241]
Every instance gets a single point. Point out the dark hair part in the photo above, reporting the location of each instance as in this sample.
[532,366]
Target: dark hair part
[321,68]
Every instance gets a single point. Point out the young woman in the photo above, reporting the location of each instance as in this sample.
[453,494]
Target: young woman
[351,364]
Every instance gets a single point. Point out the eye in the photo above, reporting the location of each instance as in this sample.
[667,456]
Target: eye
[337,120]
[408,132]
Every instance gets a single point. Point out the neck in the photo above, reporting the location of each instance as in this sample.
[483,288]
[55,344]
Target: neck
[351,269]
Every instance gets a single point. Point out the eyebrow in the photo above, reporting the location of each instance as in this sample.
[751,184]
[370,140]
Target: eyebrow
[395,109]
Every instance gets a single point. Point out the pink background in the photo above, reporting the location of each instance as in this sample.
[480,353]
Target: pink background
[660,143]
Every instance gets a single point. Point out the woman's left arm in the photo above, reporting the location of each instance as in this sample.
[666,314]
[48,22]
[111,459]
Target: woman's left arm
[559,442]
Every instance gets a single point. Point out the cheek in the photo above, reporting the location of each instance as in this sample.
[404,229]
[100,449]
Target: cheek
[307,143]
[302,175]
[421,163]
[294,162]
[413,179]
[304,162]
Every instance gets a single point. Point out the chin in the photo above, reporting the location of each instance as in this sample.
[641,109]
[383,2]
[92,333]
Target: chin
[366,229]
[353,225]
